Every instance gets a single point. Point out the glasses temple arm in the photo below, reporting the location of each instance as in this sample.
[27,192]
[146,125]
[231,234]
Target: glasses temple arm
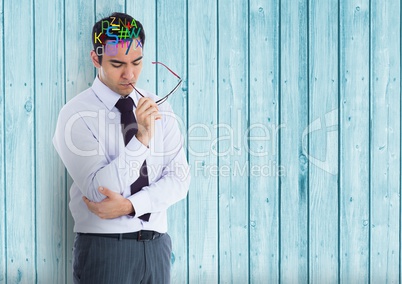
[156,62]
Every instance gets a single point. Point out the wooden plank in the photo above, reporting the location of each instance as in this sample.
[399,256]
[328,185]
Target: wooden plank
[203,194]
[3,255]
[50,185]
[264,168]
[104,8]
[385,142]
[294,120]
[323,141]
[172,50]
[354,141]
[19,144]
[145,12]
[231,149]
[79,75]
[79,19]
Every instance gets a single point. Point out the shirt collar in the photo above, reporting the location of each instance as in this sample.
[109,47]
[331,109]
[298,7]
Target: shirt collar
[109,97]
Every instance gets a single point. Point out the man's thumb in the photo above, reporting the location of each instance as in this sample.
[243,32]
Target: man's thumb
[103,190]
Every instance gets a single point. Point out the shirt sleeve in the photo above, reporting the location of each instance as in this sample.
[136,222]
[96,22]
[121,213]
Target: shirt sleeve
[77,141]
[174,182]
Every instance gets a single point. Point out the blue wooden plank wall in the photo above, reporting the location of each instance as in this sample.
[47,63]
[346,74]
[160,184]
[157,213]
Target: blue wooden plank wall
[291,113]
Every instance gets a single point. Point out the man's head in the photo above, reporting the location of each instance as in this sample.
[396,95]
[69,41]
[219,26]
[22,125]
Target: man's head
[117,26]
[118,41]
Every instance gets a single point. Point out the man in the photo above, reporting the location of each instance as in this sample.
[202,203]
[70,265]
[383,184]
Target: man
[127,170]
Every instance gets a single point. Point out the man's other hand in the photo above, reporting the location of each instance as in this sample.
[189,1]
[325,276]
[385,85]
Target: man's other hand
[113,206]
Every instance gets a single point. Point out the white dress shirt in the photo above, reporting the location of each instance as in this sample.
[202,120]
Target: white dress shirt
[89,140]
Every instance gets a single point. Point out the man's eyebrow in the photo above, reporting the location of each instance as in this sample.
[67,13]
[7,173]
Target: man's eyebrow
[138,59]
[122,62]
[116,61]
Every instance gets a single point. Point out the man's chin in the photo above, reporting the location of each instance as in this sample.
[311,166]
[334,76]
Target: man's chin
[124,91]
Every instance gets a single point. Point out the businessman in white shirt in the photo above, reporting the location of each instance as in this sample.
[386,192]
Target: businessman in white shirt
[124,151]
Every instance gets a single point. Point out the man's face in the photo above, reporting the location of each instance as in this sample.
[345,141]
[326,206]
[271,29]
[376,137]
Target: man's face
[119,69]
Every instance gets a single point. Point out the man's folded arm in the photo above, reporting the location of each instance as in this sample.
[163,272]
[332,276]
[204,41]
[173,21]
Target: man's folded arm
[83,154]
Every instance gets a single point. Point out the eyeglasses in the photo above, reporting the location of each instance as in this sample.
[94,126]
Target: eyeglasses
[162,100]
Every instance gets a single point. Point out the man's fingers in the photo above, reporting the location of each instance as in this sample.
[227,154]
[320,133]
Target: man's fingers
[86,200]
[145,103]
[147,108]
[150,112]
[147,111]
[105,191]
[88,203]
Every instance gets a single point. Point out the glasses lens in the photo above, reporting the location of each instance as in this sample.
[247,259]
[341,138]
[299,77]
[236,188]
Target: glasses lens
[171,92]
[174,89]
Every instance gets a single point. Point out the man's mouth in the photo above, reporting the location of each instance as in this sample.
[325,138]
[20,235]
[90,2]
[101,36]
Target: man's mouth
[128,85]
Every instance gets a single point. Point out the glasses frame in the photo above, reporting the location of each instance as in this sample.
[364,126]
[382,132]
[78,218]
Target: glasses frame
[162,100]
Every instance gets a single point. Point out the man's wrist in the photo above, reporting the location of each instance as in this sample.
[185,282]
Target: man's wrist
[143,139]
[129,208]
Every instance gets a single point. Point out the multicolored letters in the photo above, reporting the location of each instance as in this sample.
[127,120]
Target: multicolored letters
[115,32]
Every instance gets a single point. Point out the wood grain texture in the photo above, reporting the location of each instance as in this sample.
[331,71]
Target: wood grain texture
[50,189]
[19,146]
[313,193]
[203,195]
[104,8]
[3,255]
[354,147]
[385,142]
[172,51]
[323,141]
[231,149]
[79,75]
[294,120]
[145,12]
[264,171]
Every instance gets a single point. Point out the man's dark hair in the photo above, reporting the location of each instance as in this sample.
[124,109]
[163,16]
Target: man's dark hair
[101,33]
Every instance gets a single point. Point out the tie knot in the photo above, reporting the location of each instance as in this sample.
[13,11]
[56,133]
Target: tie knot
[125,105]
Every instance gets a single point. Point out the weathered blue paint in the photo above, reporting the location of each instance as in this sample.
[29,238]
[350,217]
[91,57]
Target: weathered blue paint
[313,196]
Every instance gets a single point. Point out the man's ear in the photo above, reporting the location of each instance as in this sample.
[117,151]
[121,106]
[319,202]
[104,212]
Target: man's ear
[95,59]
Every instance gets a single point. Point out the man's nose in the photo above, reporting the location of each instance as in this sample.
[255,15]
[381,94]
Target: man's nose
[128,73]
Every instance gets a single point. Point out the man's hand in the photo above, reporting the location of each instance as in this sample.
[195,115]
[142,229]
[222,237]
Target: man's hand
[147,112]
[113,206]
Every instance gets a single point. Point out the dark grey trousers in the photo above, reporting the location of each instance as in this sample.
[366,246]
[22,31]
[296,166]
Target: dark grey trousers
[101,260]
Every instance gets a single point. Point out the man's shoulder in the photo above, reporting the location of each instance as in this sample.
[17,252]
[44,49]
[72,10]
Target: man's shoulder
[84,101]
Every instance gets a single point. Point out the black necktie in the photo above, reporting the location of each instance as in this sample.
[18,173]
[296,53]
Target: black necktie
[129,128]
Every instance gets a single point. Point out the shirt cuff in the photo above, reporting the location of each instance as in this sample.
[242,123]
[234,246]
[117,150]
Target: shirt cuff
[141,202]
[135,148]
